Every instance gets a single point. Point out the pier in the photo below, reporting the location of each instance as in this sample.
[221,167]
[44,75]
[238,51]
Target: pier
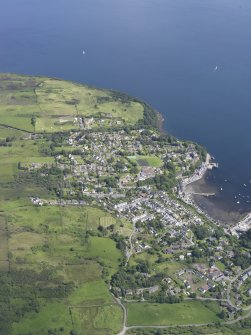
[212,166]
[203,194]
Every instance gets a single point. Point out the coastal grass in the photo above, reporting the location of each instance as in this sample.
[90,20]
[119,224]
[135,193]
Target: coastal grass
[72,99]
[56,104]
[150,314]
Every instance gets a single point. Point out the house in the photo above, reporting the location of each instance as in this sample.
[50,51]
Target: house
[245,277]
[181,272]
[203,289]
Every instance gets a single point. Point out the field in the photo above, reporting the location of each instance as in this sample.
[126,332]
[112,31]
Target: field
[89,310]
[97,320]
[53,315]
[169,314]
[58,272]
[56,104]
[151,161]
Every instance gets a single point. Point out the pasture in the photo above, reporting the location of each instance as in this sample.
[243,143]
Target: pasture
[169,314]
[56,104]
[143,161]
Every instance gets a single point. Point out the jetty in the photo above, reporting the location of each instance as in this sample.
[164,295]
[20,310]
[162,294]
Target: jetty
[211,166]
[242,225]
[200,172]
[203,194]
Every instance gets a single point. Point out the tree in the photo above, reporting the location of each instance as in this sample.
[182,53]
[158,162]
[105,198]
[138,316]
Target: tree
[33,121]
[200,232]
[197,253]
[245,239]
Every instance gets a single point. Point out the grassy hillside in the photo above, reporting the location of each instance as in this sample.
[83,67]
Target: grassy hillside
[56,104]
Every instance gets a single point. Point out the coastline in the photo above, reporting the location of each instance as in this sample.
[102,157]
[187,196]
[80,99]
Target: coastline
[196,192]
[187,191]
[192,191]
[200,172]
[160,123]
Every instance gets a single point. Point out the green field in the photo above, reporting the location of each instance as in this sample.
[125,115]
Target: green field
[55,104]
[56,268]
[151,161]
[53,315]
[147,314]
[97,320]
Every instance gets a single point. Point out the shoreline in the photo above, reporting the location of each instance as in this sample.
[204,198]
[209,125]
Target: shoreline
[243,223]
[239,224]
[187,196]
[160,123]
[200,172]
[236,225]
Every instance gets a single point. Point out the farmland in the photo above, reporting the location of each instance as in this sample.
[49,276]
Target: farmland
[169,314]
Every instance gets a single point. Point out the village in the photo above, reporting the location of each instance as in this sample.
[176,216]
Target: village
[139,175]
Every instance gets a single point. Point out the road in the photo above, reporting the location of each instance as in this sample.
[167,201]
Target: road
[230,287]
[130,251]
[125,328]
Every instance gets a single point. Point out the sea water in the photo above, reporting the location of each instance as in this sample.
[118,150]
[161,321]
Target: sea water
[190,59]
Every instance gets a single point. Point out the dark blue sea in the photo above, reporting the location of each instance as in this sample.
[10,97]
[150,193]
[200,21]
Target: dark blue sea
[190,59]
